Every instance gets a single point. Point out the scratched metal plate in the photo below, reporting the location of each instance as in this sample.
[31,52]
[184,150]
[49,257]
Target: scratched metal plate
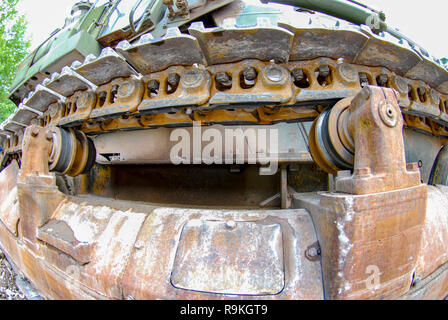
[232,43]
[103,69]
[40,99]
[242,259]
[152,55]
[66,83]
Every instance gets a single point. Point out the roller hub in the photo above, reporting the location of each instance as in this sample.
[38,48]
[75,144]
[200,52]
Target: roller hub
[73,153]
[331,142]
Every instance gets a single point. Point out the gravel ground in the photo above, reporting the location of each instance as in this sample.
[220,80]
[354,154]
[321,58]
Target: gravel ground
[8,288]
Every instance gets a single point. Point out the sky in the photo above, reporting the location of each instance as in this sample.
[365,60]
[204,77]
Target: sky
[422,21]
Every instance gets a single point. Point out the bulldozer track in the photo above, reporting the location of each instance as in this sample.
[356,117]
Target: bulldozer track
[232,75]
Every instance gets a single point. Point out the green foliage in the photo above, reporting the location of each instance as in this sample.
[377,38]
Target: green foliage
[13,49]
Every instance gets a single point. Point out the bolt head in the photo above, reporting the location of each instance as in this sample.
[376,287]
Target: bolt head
[49,135]
[34,132]
[275,74]
[348,73]
[401,85]
[126,89]
[382,79]
[192,78]
[231,225]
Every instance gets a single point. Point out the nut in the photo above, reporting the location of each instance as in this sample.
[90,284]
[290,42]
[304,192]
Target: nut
[382,79]
[153,86]
[324,71]
[298,75]
[250,74]
[173,79]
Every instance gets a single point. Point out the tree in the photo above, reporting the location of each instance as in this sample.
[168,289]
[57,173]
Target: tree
[13,49]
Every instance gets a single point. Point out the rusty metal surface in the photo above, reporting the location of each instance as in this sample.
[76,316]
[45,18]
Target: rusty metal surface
[290,146]
[426,156]
[322,39]
[264,74]
[104,68]
[151,55]
[231,43]
[380,232]
[373,124]
[272,87]
[150,266]
[66,83]
[433,287]
[101,248]
[353,55]
[230,258]
[9,213]
[58,234]
[434,247]
[130,244]
[192,89]
[76,109]
[91,248]
[119,97]
[296,91]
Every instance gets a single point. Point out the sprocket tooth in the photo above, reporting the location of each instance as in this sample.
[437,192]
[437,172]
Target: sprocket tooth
[152,55]
[104,68]
[316,37]
[232,43]
[67,82]
[387,51]
[41,98]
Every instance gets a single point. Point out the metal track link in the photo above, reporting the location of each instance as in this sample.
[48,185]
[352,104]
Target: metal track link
[264,74]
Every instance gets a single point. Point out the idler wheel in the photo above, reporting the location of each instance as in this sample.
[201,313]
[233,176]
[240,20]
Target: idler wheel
[73,153]
[331,143]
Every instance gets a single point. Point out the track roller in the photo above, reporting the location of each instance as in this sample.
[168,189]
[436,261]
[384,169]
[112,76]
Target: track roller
[331,143]
[73,153]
